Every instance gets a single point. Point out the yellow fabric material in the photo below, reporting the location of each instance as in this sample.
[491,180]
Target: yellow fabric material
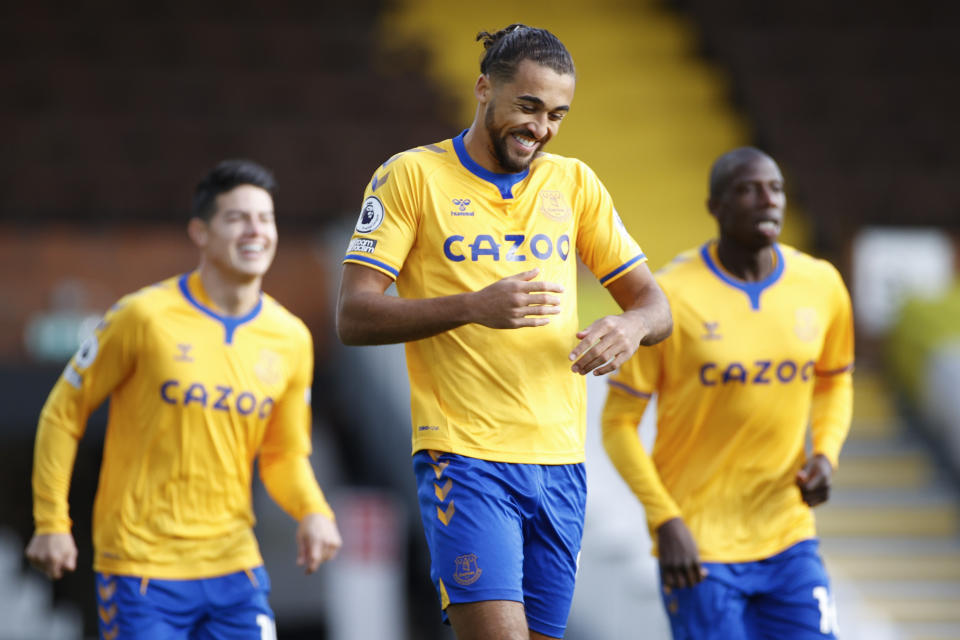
[672,116]
[735,384]
[192,401]
[621,415]
[503,395]
[831,413]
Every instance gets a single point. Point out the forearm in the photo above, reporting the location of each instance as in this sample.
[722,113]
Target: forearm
[369,318]
[290,482]
[55,451]
[644,304]
[831,413]
[622,443]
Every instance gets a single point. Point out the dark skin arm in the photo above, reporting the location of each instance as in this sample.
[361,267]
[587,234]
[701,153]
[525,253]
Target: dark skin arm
[814,480]
[366,315]
[679,556]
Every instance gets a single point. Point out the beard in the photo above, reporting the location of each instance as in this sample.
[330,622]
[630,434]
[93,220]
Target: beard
[500,152]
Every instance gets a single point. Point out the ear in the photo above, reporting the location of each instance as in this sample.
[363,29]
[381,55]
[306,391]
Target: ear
[483,89]
[198,231]
[712,206]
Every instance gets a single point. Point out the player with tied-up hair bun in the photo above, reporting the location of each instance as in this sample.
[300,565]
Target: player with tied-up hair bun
[481,234]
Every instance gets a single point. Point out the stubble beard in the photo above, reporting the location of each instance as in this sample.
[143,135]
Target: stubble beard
[499,147]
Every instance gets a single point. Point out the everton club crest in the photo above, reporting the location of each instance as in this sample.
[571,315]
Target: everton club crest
[467,571]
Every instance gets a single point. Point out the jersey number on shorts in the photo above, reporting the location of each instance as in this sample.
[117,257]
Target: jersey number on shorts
[268,629]
[828,610]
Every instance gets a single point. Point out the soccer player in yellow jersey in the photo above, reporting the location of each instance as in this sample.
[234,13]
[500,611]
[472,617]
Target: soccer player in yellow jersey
[204,373]
[481,234]
[762,347]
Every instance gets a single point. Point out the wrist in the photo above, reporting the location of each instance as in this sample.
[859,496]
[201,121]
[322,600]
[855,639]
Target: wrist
[323,510]
[669,523]
[638,324]
[465,308]
[462,308]
[824,458]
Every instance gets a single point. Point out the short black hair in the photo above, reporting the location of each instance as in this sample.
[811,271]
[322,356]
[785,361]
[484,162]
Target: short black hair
[507,48]
[726,166]
[226,176]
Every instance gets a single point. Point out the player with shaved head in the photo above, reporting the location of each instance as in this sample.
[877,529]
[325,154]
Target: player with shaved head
[762,348]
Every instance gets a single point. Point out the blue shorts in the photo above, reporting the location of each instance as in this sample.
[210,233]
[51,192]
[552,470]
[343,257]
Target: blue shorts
[503,531]
[230,607]
[784,597]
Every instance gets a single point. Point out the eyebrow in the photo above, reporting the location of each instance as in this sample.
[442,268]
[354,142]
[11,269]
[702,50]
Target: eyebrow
[247,212]
[537,101]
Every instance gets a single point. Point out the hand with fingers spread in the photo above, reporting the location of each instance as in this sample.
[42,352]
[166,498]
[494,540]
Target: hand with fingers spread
[516,301]
[53,553]
[814,480]
[679,556]
[607,343]
[318,540]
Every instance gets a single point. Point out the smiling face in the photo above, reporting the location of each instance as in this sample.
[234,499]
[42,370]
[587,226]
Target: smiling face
[240,239]
[522,114]
[750,208]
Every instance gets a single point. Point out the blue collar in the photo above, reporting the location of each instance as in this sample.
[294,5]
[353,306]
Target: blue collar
[230,323]
[752,289]
[502,181]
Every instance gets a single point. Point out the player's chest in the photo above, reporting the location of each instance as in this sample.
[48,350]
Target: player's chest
[193,363]
[467,224]
[728,341]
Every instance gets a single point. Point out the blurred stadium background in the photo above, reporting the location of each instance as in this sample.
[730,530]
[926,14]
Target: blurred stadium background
[112,110]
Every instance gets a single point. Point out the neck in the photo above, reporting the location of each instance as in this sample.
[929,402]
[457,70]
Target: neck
[233,296]
[748,265]
[477,143]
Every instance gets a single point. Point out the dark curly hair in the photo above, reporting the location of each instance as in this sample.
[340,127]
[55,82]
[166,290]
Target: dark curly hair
[507,48]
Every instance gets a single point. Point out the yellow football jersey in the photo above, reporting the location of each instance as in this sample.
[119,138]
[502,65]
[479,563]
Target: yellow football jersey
[736,384]
[440,224]
[194,397]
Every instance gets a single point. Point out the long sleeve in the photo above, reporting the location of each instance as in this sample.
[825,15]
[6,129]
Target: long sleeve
[830,414]
[621,415]
[55,450]
[100,365]
[285,452]
[832,407]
